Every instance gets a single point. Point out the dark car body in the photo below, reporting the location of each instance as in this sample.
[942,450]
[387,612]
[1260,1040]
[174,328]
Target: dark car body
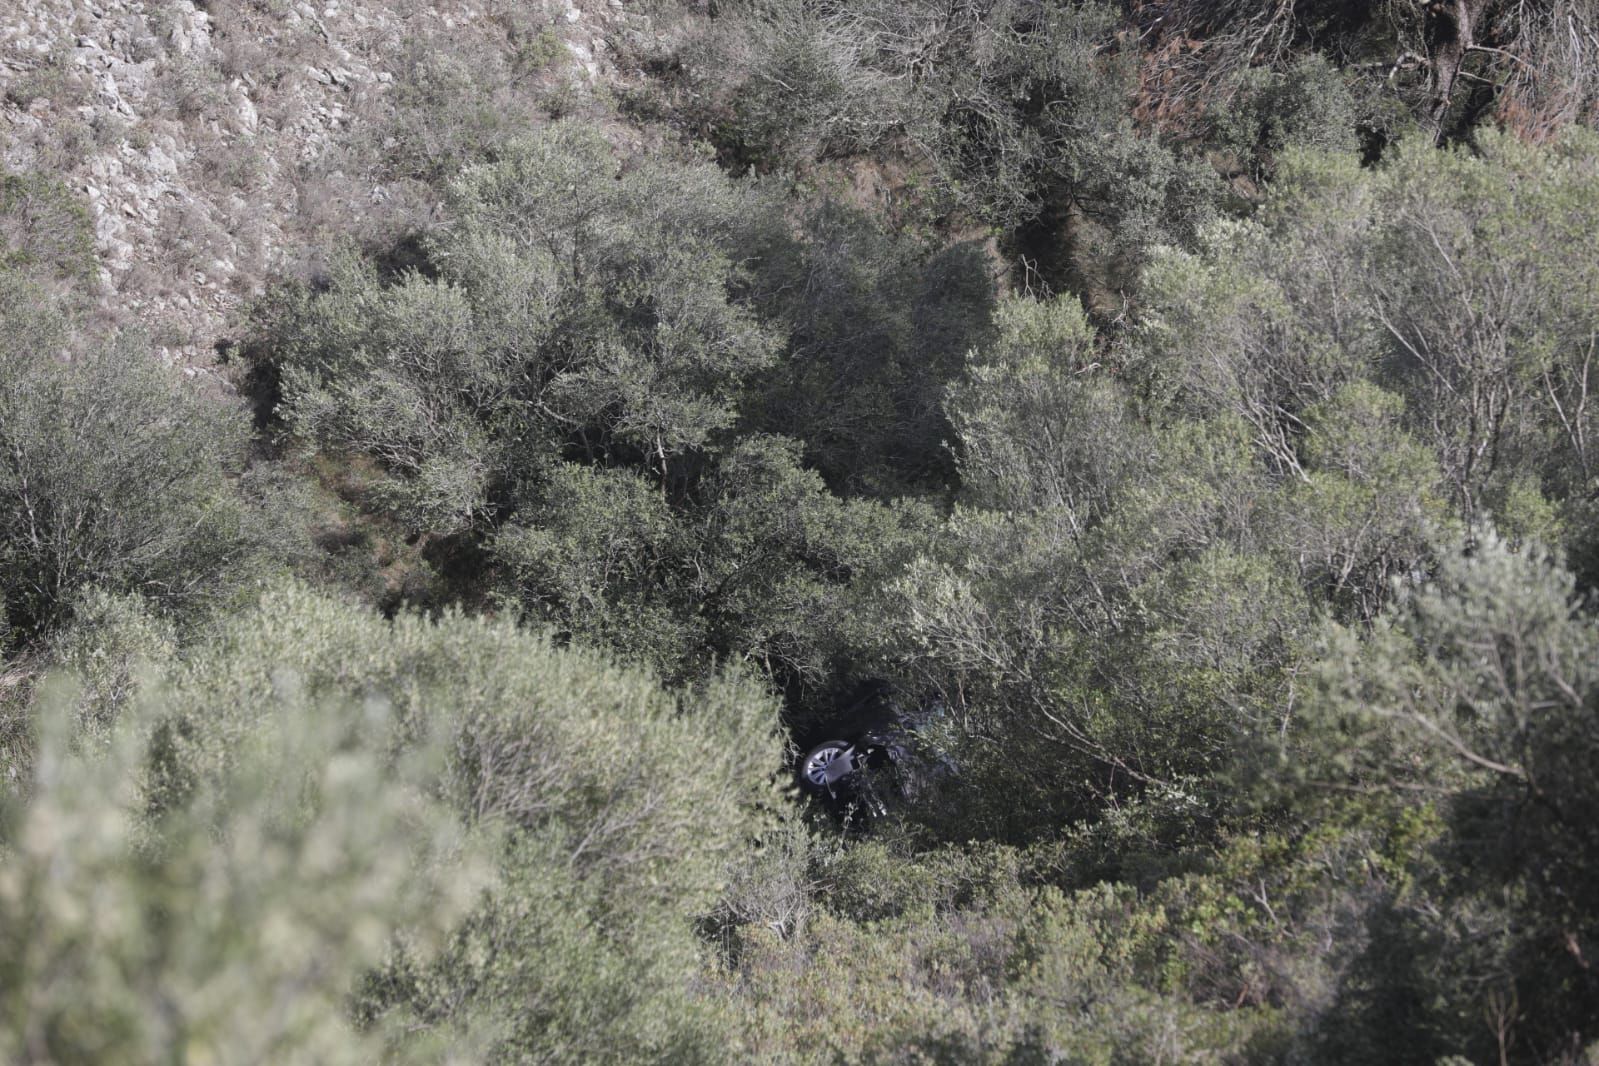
[874,757]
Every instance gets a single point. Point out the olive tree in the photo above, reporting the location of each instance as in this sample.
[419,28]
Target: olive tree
[580,300]
[1473,697]
[1091,611]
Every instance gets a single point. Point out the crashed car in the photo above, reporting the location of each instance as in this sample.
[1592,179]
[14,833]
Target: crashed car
[876,761]
[858,772]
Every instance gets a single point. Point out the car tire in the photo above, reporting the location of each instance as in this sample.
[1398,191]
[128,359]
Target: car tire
[815,761]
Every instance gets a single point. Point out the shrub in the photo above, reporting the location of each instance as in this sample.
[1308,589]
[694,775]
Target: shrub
[44,229]
[1017,109]
[583,949]
[231,929]
[764,568]
[114,473]
[599,316]
[878,325]
[1308,106]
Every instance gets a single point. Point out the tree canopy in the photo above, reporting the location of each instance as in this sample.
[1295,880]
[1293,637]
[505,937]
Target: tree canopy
[1175,416]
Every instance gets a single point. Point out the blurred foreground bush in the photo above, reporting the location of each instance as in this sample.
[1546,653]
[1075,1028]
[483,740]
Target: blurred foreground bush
[288,849]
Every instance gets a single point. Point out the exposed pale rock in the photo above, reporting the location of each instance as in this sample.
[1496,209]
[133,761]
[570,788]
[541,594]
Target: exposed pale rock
[184,234]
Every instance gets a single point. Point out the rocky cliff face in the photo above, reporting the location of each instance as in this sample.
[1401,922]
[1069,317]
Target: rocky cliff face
[218,142]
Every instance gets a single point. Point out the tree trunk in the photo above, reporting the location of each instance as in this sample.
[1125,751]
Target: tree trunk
[1451,29]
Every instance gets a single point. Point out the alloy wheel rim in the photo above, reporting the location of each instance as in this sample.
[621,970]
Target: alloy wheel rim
[819,761]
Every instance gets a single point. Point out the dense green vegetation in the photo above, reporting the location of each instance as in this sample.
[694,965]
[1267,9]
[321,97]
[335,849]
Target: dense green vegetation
[1201,419]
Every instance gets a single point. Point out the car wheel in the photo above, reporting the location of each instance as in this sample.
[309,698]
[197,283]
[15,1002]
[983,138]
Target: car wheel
[813,768]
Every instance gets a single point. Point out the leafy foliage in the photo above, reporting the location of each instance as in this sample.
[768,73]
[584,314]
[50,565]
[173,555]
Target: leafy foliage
[43,229]
[315,776]
[1007,103]
[233,927]
[877,329]
[568,312]
[1179,414]
[113,473]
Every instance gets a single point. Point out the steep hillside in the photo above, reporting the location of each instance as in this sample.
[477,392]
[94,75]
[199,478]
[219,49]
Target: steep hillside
[799,531]
[218,143]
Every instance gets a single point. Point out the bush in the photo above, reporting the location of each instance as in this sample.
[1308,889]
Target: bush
[1471,702]
[1308,106]
[596,316]
[878,325]
[764,568]
[233,928]
[114,473]
[110,642]
[44,229]
[583,949]
[1018,110]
